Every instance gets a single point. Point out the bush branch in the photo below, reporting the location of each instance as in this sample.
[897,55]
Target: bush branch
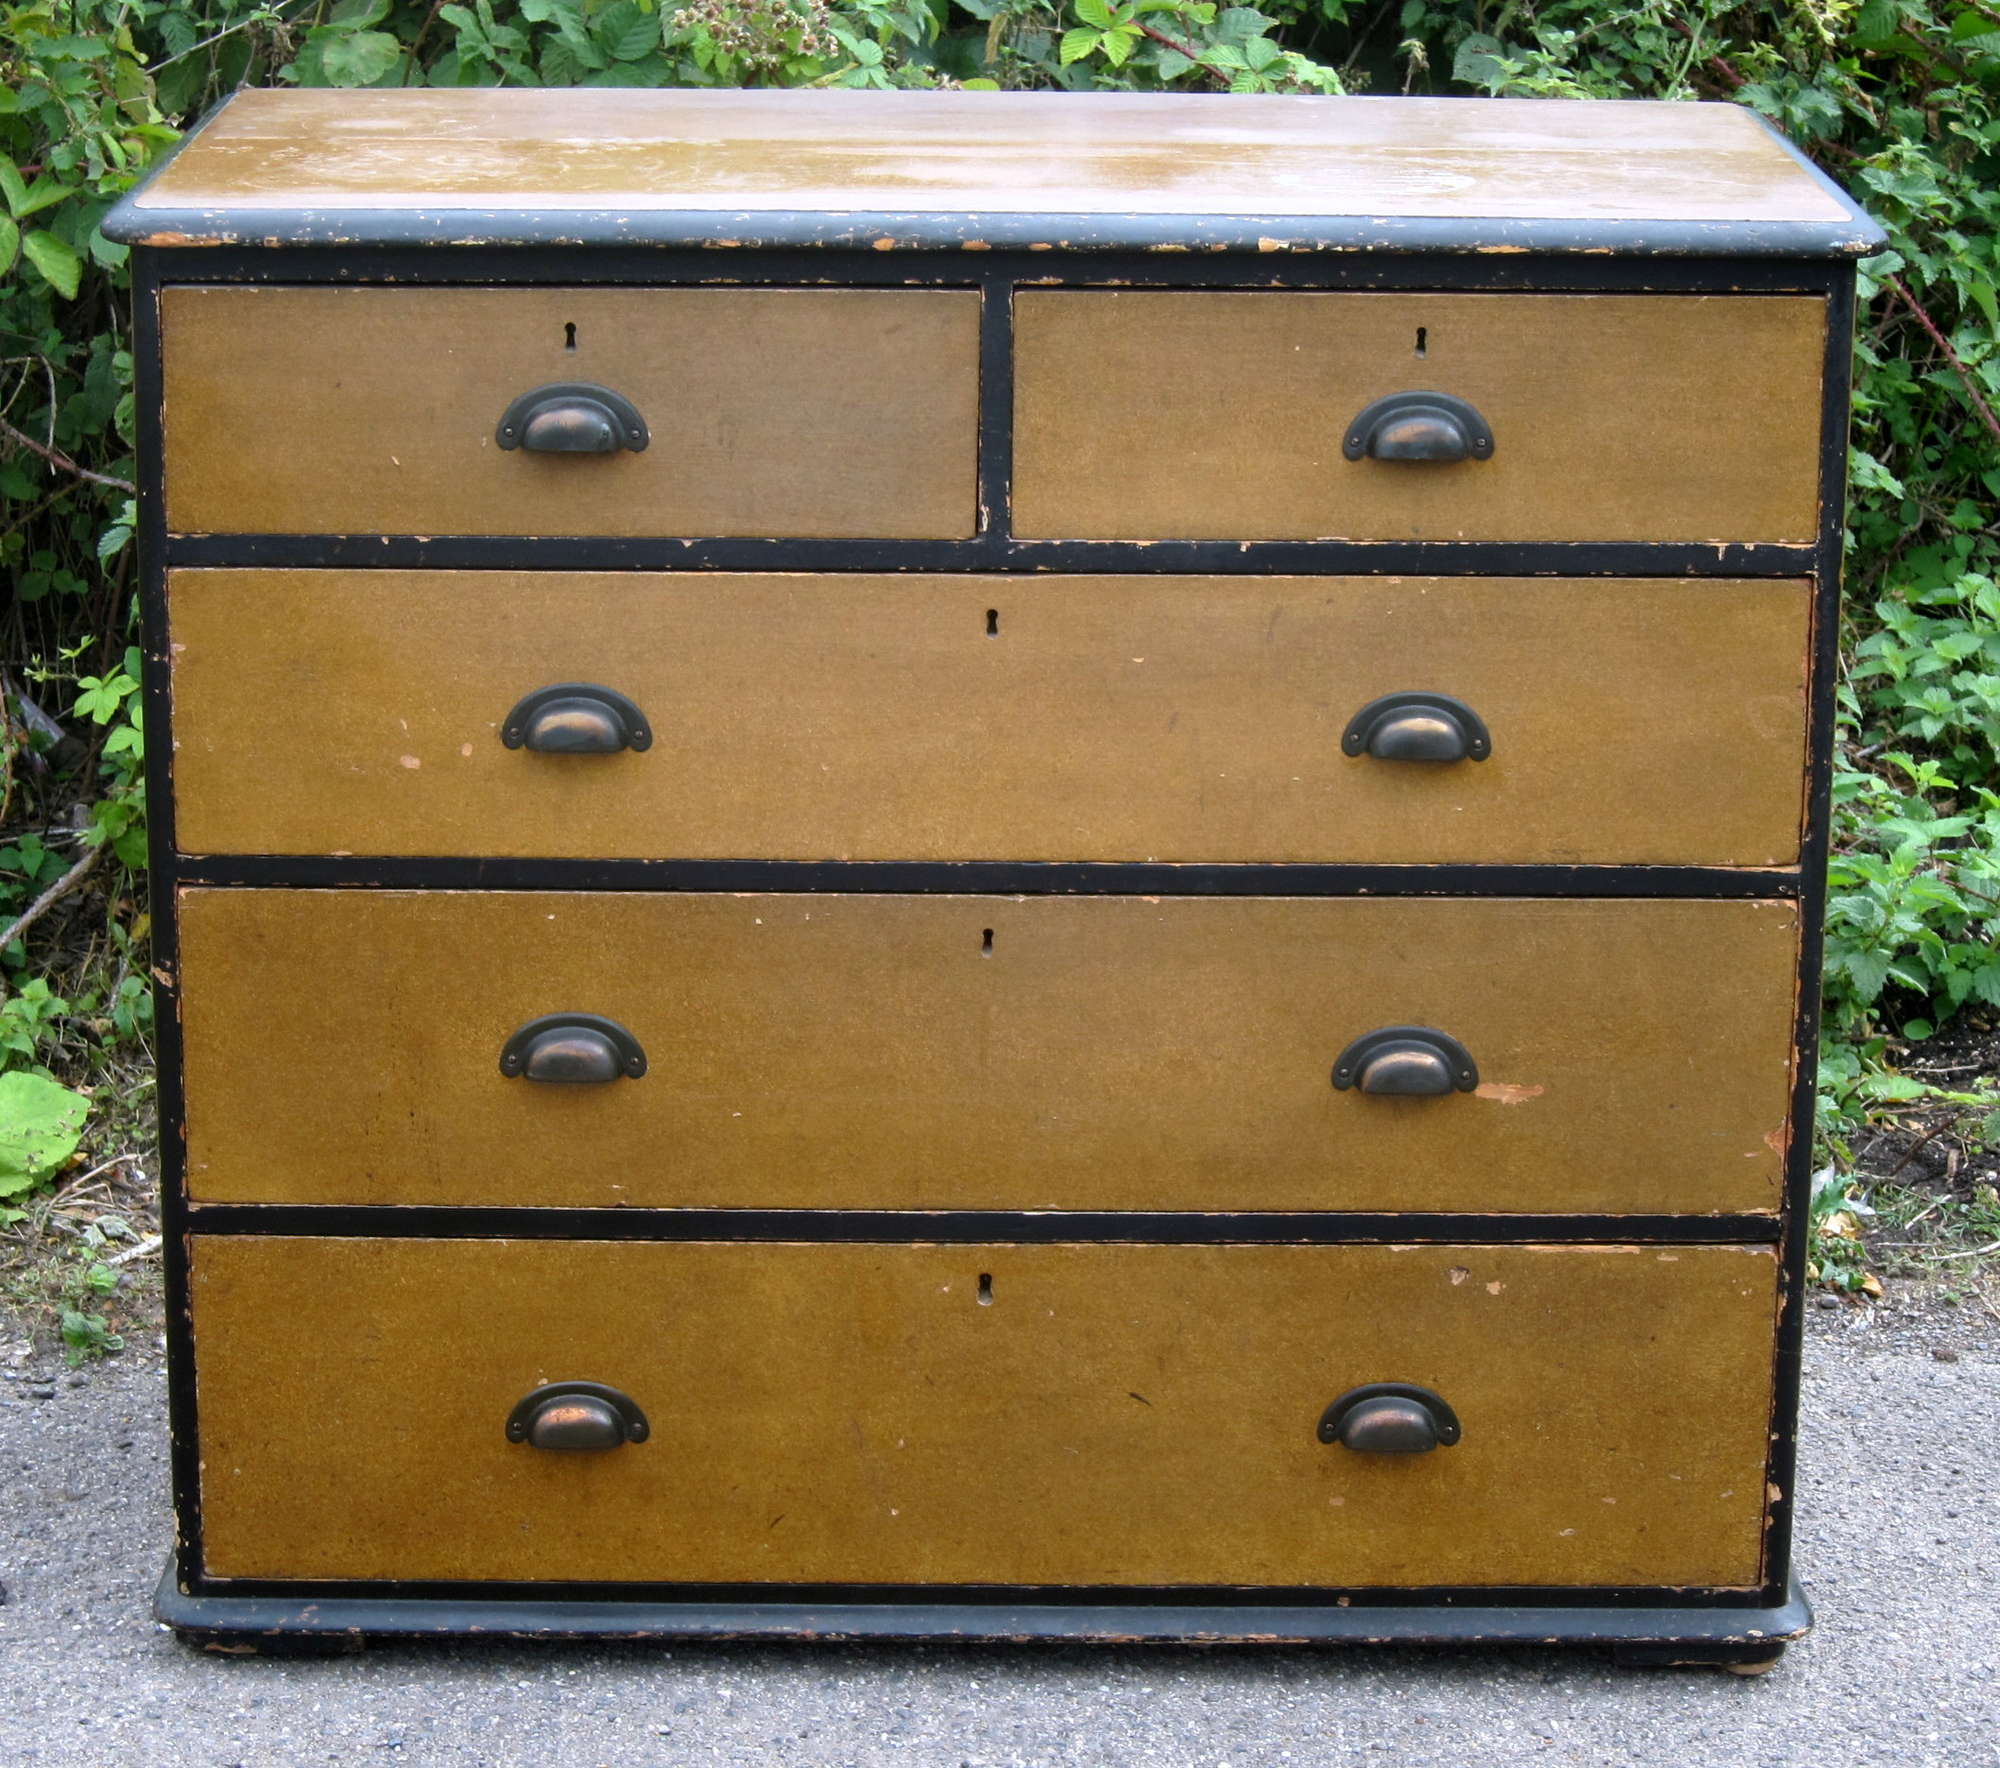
[1194,55]
[1943,343]
[51,896]
[56,458]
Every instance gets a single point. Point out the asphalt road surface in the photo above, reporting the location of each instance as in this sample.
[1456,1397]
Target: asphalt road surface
[1899,1537]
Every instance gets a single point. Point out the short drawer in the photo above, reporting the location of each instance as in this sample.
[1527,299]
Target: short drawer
[954,1052]
[951,718]
[1154,415]
[1057,1414]
[785,412]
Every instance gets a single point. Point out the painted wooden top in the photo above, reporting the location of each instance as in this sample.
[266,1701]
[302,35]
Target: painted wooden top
[972,169]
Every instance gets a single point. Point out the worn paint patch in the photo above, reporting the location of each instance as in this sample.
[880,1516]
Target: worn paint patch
[1503,1092]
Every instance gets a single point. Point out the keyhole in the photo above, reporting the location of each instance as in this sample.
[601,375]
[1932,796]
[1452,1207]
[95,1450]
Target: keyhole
[992,622]
[569,337]
[985,1289]
[1423,336]
[986,943]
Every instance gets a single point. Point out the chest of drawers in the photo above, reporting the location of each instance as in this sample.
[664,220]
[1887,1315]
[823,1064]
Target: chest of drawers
[951,865]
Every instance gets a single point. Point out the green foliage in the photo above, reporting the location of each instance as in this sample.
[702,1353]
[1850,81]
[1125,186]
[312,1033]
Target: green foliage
[1900,99]
[41,1123]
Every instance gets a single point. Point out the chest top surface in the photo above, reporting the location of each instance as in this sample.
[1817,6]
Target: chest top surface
[971,169]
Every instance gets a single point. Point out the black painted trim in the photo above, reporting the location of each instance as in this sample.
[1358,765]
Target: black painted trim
[657,267]
[184,1453]
[967,1227]
[974,877]
[996,420]
[1275,270]
[992,551]
[888,230]
[1692,1618]
[1782,1472]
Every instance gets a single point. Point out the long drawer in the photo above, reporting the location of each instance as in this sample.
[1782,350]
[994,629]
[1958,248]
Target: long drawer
[1077,718]
[1155,415]
[808,413]
[947,1052]
[1064,1414]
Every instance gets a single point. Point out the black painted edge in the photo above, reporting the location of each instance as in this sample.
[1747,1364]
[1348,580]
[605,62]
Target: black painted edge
[136,221]
[1782,1468]
[184,1455]
[996,421]
[993,551]
[974,1227]
[1870,235]
[658,267]
[973,877]
[1584,1616]
[1506,271]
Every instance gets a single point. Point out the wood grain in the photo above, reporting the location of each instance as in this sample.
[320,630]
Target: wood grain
[853,1052]
[808,413]
[1157,415]
[1114,1415]
[1103,718]
[998,152]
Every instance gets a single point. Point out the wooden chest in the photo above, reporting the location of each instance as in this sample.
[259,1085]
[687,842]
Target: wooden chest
[962,864]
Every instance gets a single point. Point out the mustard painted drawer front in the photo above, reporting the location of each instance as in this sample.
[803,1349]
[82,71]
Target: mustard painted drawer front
[941,1052]
[1611,417]
[1062,1414]
[810,413]
[955,718]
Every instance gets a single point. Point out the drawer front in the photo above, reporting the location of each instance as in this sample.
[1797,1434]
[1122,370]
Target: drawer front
[783,412]
[1064,1414]
[1612,417]
[941,1052]
[1088,718]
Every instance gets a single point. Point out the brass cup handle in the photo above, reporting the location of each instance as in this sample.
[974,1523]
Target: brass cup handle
[572,417]
[575,1415]
[573,1049]
[1390,1418]
[1413,1061]
[576,718]
[1420,427]
[1418,726]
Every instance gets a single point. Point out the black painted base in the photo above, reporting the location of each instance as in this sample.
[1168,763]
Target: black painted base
[1739,1638]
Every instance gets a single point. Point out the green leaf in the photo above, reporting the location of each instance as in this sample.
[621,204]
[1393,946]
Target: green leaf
[360,58]
[11,186]
[1094,12]
[625,33]
[1869,971]
[1478,60]
[1079,43]
[41,1124]
[10,243]
[55,260]
[1893,1086]
[44,193]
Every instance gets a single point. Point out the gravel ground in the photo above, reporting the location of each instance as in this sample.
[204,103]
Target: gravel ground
[1900,1517]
